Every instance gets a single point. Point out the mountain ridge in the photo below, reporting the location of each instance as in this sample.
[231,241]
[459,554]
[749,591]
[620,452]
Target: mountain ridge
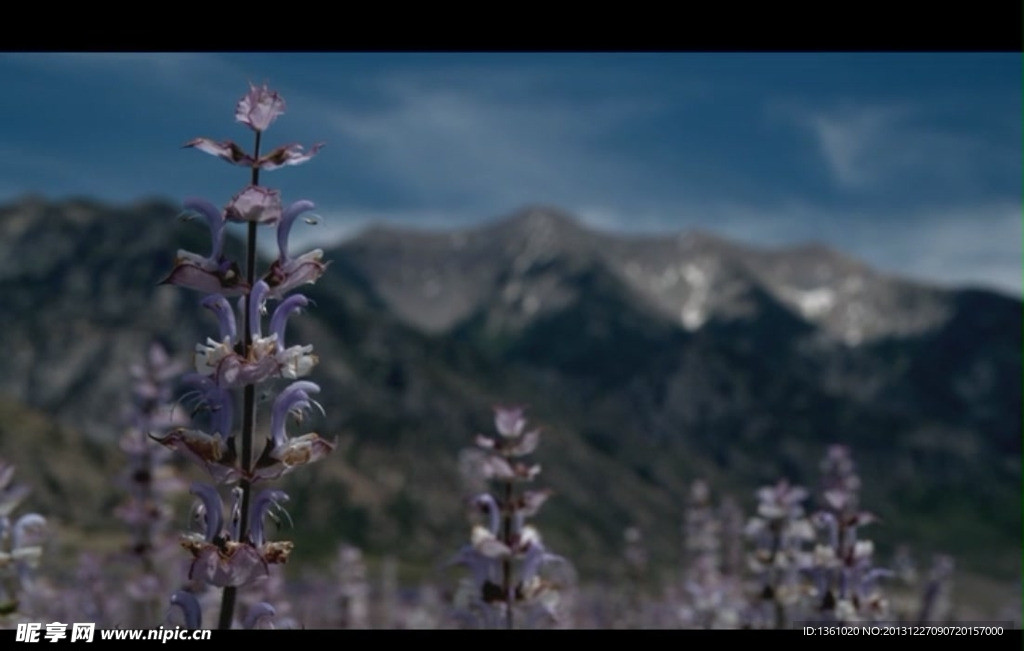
[635,404]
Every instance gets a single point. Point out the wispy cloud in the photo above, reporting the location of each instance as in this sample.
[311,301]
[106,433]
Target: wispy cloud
[459,147]
[875,147]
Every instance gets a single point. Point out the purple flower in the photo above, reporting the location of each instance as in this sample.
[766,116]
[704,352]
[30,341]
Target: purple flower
[259,107]
[190,608]
[266,356]
[293,303]
[230,564]
[282,454]
[535,556]
[213,510]
[257,307]
[215,399]
[284,227]
[220,556]
[294,399]
[225,316]
[213,274]
[255,204]
[260,616]
[266,500]
[285,274]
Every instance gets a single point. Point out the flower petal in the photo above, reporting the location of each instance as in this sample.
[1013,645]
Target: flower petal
[208,451]
[292,154]
[284,276]
[225,149]
[206,275]
[293,303]
[295,452]
[213,508]
[259,107]
[297,361]
[255,204]
[189,607]
[284,227]
[217,304]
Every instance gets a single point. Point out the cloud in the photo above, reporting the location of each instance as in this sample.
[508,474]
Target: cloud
[459,146]
[875,147]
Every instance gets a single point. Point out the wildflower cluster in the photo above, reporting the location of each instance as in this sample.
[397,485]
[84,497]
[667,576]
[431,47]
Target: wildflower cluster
[844,575]
[780,532]
[20,544]
[715,599]
[149,479]
[817,567]
[231,548]
[505,556]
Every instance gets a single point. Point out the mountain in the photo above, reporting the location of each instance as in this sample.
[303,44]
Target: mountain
[650,361]
[676,351]
[433,280]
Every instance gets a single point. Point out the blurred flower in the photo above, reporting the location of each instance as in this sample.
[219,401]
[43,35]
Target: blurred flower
[190,609]
[506,557]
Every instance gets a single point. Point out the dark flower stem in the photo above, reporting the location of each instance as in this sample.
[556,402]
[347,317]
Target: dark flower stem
[506,565]
[227,604]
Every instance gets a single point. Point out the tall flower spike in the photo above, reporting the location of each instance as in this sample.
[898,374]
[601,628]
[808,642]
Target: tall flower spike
[231,556]
[506,557]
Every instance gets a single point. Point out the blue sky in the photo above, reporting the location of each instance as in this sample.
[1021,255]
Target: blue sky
[909,161]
